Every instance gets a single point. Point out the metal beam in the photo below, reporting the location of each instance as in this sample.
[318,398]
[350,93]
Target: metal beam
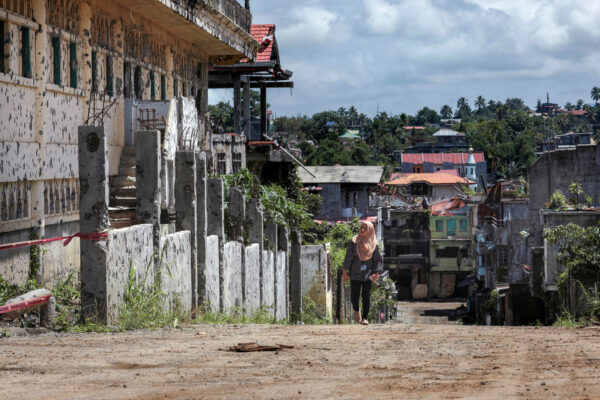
[263,109]
[237,119]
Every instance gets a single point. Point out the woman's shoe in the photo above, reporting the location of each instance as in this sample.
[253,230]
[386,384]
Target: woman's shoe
[357,317]
[365,322]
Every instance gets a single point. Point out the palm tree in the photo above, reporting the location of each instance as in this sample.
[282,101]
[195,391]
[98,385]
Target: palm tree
[446,111]
[480,103]
[580,104]
[595,93]
[462,102]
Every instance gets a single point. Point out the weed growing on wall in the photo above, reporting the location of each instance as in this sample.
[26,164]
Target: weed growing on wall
[9,290]
[382,297]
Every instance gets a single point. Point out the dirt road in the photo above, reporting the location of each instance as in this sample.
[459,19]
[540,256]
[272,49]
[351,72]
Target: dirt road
[390,361]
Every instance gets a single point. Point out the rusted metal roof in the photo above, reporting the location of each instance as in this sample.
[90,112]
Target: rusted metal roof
[431,178]
[341,174]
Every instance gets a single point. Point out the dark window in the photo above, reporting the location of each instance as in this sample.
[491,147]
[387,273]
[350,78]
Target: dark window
[417,169]
[25,52]
[175,87]
[127,80]
[2,47]
[221,164]
[402,249]
[502,253]
[137,81]
[73,64]
[463,225]
[448,252]
[152,85]
[236,162]
[109,76]
[451,227]
[183,89]
[163,87]
[439,226]
[56,78]
[94,71]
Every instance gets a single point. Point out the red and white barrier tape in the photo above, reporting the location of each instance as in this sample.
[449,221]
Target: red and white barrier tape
[24,304]
[66,239]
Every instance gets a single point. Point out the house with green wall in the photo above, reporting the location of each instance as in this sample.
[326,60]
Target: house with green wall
[449,250]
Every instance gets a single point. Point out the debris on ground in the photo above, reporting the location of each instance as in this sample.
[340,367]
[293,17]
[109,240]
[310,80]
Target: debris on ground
[248,347]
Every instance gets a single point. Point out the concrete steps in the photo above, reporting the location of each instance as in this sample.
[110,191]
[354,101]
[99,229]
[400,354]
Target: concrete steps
[122,204]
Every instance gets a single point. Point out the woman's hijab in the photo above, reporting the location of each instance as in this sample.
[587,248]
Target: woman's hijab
[366,245]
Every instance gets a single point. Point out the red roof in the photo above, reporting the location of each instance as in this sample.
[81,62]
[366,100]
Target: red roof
[578,112]
[416,128]
[431,178]
[440,158]
[265,36]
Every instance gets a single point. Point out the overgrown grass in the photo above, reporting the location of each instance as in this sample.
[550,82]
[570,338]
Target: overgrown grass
[566,320]
[9,290]
[237,316]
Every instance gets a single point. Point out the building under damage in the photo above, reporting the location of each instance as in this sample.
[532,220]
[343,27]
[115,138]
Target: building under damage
[129,66]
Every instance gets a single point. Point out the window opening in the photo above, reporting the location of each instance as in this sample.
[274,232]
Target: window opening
[73,64]
[56,60]
[163,87]
[94,71]
[25,52]
[109,76]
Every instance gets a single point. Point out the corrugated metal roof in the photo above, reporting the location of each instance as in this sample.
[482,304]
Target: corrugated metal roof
[431,178]
[448,132]
[439,158]
[341,174]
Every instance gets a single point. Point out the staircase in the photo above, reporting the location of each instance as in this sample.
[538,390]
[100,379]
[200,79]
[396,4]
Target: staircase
[122,203]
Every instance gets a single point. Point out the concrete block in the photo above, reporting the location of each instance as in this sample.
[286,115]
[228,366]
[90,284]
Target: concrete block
[268,280]
[313,261]
[271,235]
[231,276]
[185,206]
[208,276]
[93,217]
[175,269]
[126,248]
[251,278]
[281,285]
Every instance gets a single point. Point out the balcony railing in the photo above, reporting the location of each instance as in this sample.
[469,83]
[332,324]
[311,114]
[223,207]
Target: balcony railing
[234,11]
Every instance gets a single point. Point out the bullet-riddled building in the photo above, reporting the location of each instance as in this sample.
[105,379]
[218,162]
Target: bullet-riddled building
[66,63]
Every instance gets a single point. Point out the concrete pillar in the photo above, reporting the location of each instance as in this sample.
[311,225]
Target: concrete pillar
[271,235]
[237,212]
[201,233]
[215,223]
[41,74]
[169,71]
[283,244]
[256,233]
[295,274]
[246,111]
[237,128]
[185,207]
[148,183]
[93,217]
[118,63]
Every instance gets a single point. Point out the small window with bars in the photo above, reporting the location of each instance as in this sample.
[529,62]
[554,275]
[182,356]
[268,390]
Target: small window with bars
[236,162]
[448,252]
[502,254]
[221,164]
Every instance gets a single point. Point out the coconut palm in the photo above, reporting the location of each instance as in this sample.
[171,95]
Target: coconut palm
[595,93]
[446,111]
[480,103]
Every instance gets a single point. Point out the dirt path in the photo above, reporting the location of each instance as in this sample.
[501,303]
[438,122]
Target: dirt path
[378,361]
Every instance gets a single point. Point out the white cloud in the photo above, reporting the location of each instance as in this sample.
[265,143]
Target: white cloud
[312,23]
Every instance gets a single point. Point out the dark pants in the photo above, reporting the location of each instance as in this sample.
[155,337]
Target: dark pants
[355,289]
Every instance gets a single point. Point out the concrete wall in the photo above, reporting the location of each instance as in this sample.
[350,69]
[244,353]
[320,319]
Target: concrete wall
[231,276]
[313,261]
[175,270]
[281,285]
[251,278]
[268,281]
[332,201]
[127,248]
[555,170]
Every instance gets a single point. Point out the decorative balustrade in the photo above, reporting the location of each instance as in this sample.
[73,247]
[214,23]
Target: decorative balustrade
[234,11]
[15,201]
[61,197]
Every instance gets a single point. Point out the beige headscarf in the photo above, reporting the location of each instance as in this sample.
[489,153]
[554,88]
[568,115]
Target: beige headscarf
[366,245]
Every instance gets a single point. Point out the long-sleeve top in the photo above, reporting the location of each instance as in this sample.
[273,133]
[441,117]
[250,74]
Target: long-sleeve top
[361,270]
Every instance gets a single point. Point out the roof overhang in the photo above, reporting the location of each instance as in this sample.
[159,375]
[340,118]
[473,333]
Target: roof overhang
[204,26]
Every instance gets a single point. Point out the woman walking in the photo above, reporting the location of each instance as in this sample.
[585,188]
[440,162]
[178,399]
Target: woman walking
[363,262]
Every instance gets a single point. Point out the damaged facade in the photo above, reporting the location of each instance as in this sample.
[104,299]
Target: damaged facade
[66,63]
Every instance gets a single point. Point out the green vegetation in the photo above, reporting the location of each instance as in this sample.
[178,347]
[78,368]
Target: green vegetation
[9,290]
[236,316]
[382,295]
[566,320]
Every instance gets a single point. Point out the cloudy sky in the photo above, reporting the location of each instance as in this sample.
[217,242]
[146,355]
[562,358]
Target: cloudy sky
[401,55]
